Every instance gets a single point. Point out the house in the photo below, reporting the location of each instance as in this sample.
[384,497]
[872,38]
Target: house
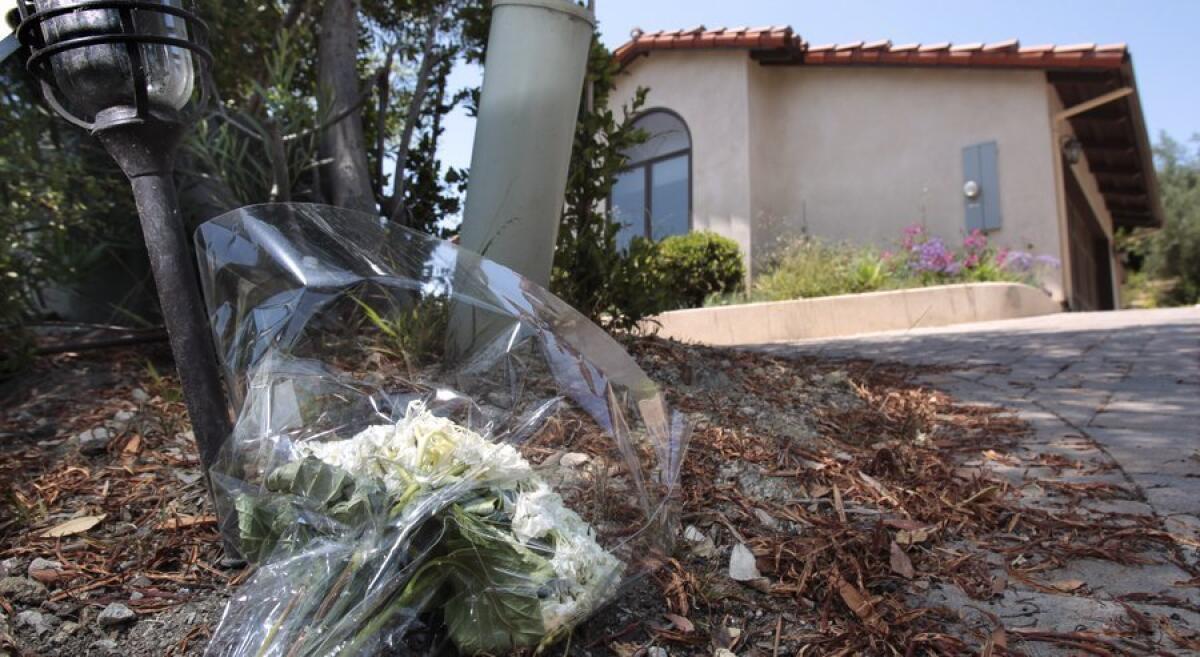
[757,133]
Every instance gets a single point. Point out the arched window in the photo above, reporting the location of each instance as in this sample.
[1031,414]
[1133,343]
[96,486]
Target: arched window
[653,195]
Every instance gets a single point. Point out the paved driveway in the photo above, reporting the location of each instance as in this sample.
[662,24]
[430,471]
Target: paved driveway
[1128,381]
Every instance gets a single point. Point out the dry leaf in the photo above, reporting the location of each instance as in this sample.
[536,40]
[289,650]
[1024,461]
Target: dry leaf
[818,491]
[999,583]
[74,526]
[912,537]
[879,487]
[133,444]
[682,624]
[861,607]
[903,523]
[181,522]
[624,649]
[837,504]
[901,564]
[1067,585]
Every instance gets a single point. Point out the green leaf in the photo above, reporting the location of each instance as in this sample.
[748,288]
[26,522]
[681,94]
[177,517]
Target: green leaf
[314,479]
[494,607]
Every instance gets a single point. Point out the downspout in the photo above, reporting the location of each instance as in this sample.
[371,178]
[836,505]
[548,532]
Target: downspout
[532,87]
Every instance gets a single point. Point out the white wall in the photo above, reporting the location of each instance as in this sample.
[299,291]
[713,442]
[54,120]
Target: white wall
[856,153]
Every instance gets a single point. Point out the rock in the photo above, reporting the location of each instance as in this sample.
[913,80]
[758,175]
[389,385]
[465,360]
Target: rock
[140,396]
[45,570]
[9,566]
[657,651]
[136,595]
[742,566]
[93,441]
[766,519]
[140,580]
[103,647]
[573,459]
[724,652]
[22,590]
[116,614]
[34,621]
[64,632]
[124,417]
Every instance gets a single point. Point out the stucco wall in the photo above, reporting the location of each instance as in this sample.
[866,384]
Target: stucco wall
[855,153]
[709,91]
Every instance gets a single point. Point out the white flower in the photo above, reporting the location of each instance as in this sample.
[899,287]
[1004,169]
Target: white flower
[426,452]
[586,574]
[425,449]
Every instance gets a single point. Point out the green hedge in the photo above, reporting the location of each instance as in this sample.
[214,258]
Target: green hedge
[698,265]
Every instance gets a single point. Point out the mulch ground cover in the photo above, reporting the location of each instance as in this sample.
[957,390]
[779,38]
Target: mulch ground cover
[821,502]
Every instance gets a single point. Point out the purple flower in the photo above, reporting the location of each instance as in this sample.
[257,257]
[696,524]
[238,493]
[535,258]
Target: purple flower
[1017,261]
[932,256]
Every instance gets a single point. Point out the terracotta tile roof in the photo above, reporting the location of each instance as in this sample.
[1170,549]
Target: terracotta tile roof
[780,43]
[746,38]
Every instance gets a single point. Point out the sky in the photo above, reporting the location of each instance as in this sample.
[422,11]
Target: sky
[1161,36]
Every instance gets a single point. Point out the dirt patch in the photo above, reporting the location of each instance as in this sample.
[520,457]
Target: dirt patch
[881,518]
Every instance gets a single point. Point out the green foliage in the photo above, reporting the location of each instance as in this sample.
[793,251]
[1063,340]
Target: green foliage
[809,267]
[697,265]
[414,334]
[614,288]
[1173,253]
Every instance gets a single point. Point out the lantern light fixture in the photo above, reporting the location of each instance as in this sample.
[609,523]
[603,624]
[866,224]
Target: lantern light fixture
[135,74]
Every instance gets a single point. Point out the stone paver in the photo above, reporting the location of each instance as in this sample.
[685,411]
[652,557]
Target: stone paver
[1117,393]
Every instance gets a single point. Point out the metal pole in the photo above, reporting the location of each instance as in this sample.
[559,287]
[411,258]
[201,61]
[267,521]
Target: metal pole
[145,152]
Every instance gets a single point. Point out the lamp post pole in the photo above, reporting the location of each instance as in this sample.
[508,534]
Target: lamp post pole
[126,71]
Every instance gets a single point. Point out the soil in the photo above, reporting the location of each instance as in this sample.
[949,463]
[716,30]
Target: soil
[882,516]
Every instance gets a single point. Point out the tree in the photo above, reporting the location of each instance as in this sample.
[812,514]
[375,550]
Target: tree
[614,288]
[1163,266]
[1174,251]
[324,128]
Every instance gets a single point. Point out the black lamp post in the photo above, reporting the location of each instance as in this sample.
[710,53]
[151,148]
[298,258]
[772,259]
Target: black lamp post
[135,74]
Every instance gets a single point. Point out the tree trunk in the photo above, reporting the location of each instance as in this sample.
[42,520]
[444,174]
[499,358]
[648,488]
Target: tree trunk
[428,56]
[343,142]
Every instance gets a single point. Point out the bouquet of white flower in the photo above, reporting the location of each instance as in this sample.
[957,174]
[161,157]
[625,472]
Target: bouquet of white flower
[510,566]
[431,452]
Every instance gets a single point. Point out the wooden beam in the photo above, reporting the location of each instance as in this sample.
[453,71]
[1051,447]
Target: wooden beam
[1102,99]
[1117,172]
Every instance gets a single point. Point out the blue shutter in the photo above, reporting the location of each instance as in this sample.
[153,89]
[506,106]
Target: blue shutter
[980,165]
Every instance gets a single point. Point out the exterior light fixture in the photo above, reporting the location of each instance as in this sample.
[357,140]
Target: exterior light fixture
[135,74]
[1072,150]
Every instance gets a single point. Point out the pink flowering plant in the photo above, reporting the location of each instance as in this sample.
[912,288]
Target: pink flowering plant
[811,268]
[933,261]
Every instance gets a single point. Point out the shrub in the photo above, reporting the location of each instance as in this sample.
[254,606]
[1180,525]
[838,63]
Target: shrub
[1174,251]
[810,268]
[697,265]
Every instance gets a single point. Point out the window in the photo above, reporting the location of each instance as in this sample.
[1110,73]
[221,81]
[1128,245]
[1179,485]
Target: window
[653,195]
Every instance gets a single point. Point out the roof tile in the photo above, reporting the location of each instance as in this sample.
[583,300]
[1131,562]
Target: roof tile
[1076,47]
[1007,44]
[782,37]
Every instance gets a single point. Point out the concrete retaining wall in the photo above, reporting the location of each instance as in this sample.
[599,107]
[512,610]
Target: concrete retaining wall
[850,314]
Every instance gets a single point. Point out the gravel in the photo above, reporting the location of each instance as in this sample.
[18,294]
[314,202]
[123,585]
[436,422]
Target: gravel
[22,590]
[116,614]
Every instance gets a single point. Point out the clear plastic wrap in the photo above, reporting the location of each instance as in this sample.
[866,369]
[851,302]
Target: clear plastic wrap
[431,451]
